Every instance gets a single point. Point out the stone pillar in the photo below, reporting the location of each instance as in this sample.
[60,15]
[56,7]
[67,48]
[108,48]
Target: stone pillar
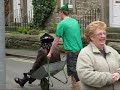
[105,11]
[8,11]
[2,46]
[74,6]
[23,6]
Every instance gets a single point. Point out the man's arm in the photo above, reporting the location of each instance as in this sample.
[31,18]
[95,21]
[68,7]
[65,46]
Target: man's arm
[54,44]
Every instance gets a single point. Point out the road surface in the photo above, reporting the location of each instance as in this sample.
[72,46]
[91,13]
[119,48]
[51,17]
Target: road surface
[15,67]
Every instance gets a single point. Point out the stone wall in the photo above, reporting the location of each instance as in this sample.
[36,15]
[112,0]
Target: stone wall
[82,6]
[80,9]
[23,41]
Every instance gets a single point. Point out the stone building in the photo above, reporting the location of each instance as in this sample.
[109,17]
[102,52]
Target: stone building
[80,7]
[22,10]
[18,8]
[82,10]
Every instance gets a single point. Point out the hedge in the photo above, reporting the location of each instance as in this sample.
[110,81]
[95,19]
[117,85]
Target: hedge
[22,41]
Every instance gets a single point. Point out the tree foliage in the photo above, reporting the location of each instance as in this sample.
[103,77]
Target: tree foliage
[42,9]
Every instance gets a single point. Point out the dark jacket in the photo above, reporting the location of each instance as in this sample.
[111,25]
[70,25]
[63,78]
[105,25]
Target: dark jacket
[41,58]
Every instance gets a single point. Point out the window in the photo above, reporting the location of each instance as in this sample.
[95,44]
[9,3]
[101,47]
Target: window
[70,3]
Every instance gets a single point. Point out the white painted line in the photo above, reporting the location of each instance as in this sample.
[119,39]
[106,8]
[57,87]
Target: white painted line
[21,60]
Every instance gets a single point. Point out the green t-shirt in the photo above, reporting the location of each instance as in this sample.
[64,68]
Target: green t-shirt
[70,32]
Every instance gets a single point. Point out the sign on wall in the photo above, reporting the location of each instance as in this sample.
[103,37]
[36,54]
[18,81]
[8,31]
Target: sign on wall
[114,9]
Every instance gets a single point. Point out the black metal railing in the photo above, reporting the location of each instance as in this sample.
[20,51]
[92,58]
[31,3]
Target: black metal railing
[14,22]
[19,21]
[88,17]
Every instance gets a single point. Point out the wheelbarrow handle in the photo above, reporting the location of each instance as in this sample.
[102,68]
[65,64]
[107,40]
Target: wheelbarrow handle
[49,76]
[64,82]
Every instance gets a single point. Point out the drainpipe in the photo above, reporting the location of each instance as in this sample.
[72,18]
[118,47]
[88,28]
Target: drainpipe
[2,46]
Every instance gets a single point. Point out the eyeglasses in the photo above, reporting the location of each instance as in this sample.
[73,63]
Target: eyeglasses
[100,34]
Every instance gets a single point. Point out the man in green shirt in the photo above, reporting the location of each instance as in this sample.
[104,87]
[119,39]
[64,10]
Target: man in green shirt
[69,30]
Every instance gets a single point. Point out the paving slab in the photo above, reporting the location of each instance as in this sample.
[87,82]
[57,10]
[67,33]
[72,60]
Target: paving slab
[21,53]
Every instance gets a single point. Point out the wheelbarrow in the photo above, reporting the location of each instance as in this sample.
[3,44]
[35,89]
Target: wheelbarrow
[45,72]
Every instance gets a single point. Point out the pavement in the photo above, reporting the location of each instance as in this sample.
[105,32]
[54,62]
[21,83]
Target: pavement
[25,53]
[21,53]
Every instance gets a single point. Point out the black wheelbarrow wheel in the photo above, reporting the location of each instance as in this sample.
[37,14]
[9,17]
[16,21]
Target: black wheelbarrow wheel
[44,84]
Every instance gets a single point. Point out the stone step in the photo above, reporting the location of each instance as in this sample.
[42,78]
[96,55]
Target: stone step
[115,45]
[113,35]
[113,40]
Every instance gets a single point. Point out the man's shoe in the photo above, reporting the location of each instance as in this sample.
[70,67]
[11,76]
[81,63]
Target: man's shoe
[31,80]
[19,81]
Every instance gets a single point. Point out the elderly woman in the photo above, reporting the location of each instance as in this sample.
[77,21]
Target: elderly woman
[98,65]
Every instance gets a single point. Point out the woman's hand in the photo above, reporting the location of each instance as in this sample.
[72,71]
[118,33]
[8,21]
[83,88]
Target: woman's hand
[116,76]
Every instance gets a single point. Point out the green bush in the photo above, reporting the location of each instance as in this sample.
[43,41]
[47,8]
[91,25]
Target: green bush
[53,28]
[23,30]
[42,10]
[33,32]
